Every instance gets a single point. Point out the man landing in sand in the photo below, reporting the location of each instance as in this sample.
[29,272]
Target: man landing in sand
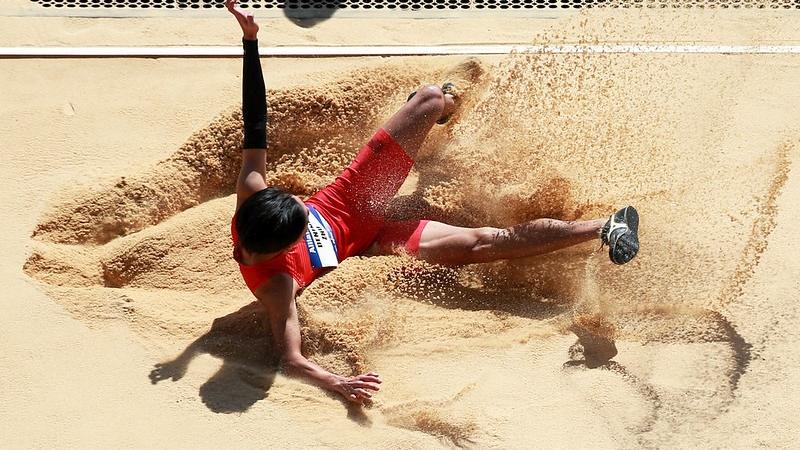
[283,243]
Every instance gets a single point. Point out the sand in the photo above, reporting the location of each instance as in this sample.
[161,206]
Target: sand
[126,322]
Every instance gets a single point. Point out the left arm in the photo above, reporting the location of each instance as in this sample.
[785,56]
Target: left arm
[278,296]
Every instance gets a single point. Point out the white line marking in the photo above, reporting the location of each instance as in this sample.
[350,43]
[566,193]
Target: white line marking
[377,50]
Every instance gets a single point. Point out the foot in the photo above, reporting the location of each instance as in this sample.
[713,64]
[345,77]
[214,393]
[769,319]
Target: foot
[245,19]
[450,97]
[621,234]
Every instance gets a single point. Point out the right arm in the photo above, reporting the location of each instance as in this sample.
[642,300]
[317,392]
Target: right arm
[278,296]
[254,110]
[252,175]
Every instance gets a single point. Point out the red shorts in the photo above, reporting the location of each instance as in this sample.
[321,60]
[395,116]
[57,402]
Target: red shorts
[354,205]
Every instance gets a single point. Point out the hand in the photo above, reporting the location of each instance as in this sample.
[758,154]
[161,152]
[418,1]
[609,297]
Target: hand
[359,389]
[245,19]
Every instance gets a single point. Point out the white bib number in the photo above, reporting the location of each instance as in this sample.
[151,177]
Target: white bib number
[320,241]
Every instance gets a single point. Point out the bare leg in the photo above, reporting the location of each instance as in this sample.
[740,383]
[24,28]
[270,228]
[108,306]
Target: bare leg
[449,245]
[410,125]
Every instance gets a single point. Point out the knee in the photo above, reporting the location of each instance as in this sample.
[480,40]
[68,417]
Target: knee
[482,241]
[484,238]
[429,100]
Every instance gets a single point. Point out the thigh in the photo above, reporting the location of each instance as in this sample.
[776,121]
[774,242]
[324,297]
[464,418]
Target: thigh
[357,200]
[372,179]
[450,245]
[399,237]
[434,242]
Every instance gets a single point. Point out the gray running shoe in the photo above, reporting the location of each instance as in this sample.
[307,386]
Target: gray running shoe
[621,234]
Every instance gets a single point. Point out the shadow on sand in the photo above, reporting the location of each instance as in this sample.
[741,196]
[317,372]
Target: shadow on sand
[250,364]
[309,13]
[242,341]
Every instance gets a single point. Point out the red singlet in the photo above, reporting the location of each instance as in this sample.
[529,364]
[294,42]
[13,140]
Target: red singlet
[354,205]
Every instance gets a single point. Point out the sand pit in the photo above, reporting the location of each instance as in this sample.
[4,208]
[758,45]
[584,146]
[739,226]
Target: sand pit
[678,348]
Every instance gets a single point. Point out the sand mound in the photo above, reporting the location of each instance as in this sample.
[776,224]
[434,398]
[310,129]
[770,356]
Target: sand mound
[564,136]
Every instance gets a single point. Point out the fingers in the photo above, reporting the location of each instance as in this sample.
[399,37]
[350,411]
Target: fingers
[359,395]
[370,378]
[363,393]
[360,388]
[365,385]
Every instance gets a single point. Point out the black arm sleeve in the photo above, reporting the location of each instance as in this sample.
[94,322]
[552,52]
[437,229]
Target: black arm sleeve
[254,98]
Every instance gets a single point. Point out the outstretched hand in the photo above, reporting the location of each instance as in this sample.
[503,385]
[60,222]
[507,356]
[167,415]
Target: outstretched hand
[359,389]
[245,19]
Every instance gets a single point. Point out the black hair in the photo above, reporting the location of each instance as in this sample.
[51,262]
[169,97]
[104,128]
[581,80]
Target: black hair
[270,220]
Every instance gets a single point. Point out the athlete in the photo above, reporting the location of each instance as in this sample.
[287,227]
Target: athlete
[283,243]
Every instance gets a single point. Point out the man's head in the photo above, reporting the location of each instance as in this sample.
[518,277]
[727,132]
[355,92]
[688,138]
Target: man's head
[270,221]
